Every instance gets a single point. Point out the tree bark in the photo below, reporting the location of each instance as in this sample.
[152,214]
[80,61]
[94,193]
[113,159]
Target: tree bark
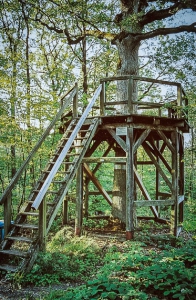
[128,54]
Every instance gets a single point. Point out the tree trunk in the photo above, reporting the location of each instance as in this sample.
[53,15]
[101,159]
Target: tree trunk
[128,54]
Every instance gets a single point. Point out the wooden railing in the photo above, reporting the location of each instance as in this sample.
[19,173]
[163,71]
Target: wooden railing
[174,108]
[6,195]
[61,157]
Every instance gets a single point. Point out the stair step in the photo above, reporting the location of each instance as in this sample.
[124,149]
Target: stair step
[52,192]
[59,181]
[19,239]
[8,268]
[26,226]
[28,213]
[14,252]
[71,154]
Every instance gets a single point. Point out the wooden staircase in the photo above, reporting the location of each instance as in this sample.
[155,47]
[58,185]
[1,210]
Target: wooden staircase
[19,248]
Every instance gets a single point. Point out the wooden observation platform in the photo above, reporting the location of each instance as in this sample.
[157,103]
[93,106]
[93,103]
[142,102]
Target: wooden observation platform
[156,127]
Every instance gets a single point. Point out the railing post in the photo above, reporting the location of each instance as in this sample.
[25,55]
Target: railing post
[179,100]
[42,225]
[75,102]
[102,99]
[79,200]
[7,214]
[130,95]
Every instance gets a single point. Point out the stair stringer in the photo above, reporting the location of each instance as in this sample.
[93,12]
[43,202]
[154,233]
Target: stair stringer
[65,187]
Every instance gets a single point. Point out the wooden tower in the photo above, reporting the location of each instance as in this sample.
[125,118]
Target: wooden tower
[159,133]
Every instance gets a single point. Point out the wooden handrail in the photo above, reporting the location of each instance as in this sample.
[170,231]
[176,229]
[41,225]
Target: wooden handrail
[16,177]
[62,155]
[181,95]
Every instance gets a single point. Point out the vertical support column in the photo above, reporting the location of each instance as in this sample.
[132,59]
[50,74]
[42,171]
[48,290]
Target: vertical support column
[130,96]
[157,179]
[181,178]
[7,214]
[129,185]
[42,224]
[102,99]
[75,102]
[179,100]
[174,208]
[86,195]
[65,211]
[79,197]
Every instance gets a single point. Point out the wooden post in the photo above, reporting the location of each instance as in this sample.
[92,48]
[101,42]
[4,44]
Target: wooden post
[75,102]
[42,225]
[7,214]
[181,178]
[179,101]
[129,185]
[157,179]
[174,171]
[79,198]
[86,195]
[65,211]
[102,99]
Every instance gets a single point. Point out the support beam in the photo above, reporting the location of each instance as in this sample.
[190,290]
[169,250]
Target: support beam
[174,208]
[129,185]
[97,184]
[79,199]
[42,225]
[7,214]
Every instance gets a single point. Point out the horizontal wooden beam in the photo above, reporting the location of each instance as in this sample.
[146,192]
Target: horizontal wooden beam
[94,193]
[141,203]
[105,159]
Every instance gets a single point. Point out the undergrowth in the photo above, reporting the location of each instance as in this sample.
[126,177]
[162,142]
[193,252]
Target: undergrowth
[150,267]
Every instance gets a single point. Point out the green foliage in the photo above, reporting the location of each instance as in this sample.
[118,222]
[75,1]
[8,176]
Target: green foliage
[138,272]
[190,212]
[68,258]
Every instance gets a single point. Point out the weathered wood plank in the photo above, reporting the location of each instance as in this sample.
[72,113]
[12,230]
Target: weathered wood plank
[104,159]
[79,200]
[118,139]
[165,139]
[141,139]
[129,185]
[174,210]
[42,225]
[140,203]
[102,100]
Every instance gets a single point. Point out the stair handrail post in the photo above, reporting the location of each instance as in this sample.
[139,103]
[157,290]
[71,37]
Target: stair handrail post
[7,214]
[16,177]
[65,150]
[179,100]
[102,98]
[75,102]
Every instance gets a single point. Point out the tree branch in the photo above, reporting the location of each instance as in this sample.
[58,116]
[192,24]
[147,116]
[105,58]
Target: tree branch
[76,39]
[161,14]
[165,31]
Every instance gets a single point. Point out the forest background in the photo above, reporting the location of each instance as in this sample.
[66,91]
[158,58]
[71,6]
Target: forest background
[38,65]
